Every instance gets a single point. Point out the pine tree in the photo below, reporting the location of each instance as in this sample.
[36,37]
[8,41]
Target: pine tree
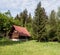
[17,17]
[52,21]
[24,17]
[39,23]
[29,23]
[53,18]
[29,19]
[58,25]
[58,13]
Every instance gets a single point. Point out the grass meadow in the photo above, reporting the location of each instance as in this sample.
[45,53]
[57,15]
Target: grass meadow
[29,48]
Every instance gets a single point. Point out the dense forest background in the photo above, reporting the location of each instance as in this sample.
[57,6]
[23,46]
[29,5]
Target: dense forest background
[42,27]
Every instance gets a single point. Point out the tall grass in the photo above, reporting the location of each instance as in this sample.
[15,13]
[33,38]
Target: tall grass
[29,48]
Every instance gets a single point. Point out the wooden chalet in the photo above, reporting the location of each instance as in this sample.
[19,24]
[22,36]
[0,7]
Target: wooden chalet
[19,33]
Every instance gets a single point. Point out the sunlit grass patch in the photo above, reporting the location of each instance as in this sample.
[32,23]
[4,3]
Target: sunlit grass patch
[30,48]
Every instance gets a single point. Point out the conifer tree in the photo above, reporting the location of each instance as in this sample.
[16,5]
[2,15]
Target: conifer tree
[24,17]
[17,17]
[29,19]
[53,18]
[29,23]
[52,21]
[39,23]
[58,25]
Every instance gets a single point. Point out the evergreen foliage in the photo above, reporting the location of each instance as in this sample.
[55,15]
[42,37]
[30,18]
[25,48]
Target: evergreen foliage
[39,23]
[41,26]
[52,23]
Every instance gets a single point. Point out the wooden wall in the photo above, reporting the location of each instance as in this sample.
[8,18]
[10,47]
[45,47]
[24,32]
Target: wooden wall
[15,35]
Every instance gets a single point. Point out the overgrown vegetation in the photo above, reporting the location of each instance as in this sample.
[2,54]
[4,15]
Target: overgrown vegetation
[41,26]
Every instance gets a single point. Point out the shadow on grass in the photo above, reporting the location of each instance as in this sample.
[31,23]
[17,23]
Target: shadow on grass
[9,42]
[47,41]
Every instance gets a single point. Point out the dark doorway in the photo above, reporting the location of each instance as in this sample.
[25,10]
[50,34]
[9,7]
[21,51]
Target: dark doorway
[22,37]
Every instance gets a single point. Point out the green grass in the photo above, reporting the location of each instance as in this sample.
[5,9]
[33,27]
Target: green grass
[29,48]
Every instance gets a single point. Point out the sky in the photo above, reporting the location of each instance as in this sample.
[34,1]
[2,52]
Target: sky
[17,6]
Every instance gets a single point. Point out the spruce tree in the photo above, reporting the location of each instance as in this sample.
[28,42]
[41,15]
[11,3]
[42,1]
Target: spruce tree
[39,23]
[29,19]
[58,13]
[52,18]
[52,21]
[24,17]
[58,25]
[29,23]
[17,17]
